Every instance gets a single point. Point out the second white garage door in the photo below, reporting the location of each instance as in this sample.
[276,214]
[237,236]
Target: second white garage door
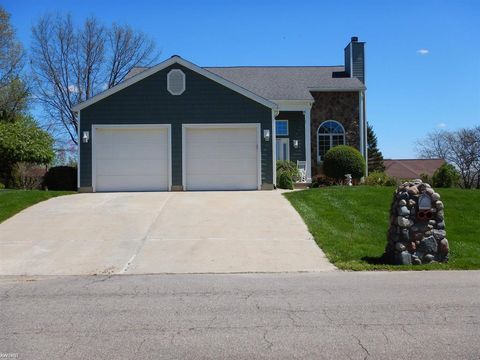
[221,157]
[131,158]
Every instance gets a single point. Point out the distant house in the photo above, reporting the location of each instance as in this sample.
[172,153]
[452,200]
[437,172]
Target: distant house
[411,168]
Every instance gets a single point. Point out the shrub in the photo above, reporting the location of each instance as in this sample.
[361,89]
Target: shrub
[322,180]
[425,178]
[287,174]
[2,186]
[61,178]
[380,178]
[27,176]
[342,160]
[445,176]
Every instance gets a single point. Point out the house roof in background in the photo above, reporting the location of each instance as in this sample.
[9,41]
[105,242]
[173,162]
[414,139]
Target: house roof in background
[284,82]
[411,168]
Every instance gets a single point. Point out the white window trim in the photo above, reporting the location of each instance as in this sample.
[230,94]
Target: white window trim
[329,135]
[183,82]
[131,126]
[282,120]
[257,126]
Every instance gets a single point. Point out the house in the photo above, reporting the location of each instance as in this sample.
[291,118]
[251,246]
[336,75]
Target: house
[178,126]
[411,168]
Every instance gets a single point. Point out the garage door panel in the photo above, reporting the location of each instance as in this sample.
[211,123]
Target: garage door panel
[226,151]
[127,167]
[149,151]
[222,166]
[221,158]
[222,182]
[130,182]
[130,135]
[221,135]
[131,159]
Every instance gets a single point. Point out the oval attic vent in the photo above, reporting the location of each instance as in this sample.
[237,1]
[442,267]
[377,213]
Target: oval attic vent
[176,82]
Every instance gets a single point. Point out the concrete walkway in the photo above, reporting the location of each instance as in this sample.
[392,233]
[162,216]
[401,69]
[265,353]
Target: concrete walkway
[141,233]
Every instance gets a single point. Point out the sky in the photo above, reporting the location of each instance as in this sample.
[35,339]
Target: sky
[422,57]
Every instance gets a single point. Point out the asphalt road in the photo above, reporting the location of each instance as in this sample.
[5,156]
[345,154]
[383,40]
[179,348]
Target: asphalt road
[330,315]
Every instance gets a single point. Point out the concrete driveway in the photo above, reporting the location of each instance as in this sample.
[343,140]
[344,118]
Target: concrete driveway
[141,233]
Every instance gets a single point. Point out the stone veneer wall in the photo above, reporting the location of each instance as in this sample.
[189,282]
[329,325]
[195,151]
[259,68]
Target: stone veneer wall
[341,106]
[417,226]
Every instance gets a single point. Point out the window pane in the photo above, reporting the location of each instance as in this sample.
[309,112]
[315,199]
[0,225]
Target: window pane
[281,127]
[330,127]
[323,145]
[337,140]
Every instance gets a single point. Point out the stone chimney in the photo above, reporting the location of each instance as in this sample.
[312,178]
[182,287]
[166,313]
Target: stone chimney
[355,59]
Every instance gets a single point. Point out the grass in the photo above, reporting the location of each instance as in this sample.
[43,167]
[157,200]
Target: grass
[350,225]
[14,201]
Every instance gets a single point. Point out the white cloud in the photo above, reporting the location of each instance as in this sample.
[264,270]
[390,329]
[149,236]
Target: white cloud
[423,52]
[73,89]
[441,125]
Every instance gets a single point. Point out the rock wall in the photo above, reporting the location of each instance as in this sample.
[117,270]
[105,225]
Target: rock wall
[341,106]
[417,226]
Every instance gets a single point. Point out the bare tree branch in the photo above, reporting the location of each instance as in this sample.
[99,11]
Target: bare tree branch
[71,64]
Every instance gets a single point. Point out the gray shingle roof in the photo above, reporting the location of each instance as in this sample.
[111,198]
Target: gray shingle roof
[284,82]
[288,82]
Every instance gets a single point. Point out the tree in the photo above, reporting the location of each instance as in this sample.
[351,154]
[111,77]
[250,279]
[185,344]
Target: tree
[72,63]
[375,157]
[445,176]
[460,148]
[13,89]
[23,141]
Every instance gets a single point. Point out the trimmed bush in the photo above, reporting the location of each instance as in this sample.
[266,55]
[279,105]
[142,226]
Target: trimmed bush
[61,178]
[26,176]
[287,174]
[445,176]
[380,178]
[341,160]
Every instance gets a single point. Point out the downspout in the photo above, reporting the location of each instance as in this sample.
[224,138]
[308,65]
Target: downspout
[365,127]
[308,142]
[361,127]
[274,148]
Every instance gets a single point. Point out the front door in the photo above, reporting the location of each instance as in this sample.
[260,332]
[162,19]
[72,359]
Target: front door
[283,149]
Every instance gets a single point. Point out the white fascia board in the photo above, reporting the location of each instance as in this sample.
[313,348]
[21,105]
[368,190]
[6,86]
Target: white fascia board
[165,64]
[294,105]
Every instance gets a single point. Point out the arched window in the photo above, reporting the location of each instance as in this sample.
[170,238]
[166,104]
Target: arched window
[330,133]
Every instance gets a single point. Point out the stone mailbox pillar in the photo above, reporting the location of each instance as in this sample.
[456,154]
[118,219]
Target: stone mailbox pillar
[417,226]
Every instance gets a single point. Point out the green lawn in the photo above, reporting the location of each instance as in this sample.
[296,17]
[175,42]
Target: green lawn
[350,225]
[14,201]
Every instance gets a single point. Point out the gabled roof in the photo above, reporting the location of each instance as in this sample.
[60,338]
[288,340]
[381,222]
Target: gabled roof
[284,82]
[176,60]
[411,168]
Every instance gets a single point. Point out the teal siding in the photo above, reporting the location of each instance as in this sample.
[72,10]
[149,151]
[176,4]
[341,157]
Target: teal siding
[296,131]
[149,102]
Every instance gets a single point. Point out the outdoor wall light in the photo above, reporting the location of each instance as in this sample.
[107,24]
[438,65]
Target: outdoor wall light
[295,144]
[266,134]
[86,136]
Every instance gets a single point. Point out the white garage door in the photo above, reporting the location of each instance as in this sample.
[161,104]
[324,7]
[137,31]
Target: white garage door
[223,158]
[131,159]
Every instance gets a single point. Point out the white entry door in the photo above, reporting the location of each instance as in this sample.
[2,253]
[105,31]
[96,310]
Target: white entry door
[283,149]
[220,157]
[130,158]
